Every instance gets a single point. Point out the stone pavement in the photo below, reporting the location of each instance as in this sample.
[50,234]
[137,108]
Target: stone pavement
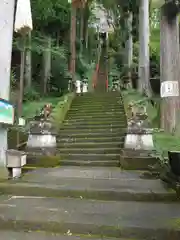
[93,215]
[10,235]
[97,183]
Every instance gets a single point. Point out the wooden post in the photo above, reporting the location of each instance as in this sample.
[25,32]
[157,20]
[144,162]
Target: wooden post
[169,70]
[6,34]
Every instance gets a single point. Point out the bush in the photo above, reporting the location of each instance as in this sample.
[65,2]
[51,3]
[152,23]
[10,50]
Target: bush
[31,95]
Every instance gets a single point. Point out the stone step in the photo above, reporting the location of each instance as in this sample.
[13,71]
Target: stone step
[90,157]
[88,118]
[96,150]
[141,220]
[117,103]
[69,131]
[108,114]
[94,94]
[71,115]
[97,98]
[97,104]
[90,163]
[97,122]
[119,118]
[89,183]
[88,140]
[96,134]
[93,127]
[23,235]
[97,109]
[90,145]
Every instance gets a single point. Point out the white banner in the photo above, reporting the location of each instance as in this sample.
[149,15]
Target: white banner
[169,89]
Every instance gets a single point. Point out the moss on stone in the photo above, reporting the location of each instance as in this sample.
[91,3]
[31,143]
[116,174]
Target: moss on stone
[60,111]
[44,161]
[12,138]
[175,223]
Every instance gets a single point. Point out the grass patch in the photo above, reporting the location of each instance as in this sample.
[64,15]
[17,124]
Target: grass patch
[30,108]
[59,112]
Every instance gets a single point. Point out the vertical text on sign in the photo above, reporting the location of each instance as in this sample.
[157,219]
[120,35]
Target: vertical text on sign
[169,89]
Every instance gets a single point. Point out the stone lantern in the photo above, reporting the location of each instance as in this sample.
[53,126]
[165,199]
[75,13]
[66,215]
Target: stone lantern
[139,134]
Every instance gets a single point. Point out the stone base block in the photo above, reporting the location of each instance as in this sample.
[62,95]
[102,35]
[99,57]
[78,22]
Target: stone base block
[139,141]
[41,141]
[136,159]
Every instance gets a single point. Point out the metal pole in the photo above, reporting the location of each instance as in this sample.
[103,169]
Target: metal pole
[6,35]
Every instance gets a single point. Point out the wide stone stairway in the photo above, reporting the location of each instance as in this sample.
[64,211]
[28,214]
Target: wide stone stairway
[89,196]
[93,131]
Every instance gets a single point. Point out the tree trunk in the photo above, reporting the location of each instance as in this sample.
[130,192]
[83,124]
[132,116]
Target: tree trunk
[144,83]
[129,47]
[81,30]
[85,25]
[28,74]
[73,44]
[46,64]
[169,71]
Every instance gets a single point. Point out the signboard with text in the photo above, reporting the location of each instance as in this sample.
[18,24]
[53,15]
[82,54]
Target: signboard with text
[169,89]
[6,112]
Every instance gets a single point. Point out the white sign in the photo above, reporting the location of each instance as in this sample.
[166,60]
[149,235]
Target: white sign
[22,122]
[169,89]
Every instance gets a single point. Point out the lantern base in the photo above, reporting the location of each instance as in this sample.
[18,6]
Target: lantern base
[139,141]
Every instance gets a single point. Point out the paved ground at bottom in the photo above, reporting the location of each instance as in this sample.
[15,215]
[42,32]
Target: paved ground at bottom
[80,216]
[83,179]
[129,219]
[10,235]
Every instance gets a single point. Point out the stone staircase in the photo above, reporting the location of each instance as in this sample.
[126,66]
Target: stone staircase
[93,131]
[89,199]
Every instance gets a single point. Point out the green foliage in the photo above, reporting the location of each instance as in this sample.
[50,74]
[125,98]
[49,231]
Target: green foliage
[61,109]
[13,79]
[31,95]
[48,14]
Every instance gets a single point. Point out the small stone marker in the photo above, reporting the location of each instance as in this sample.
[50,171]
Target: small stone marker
[85,88]
[78,86]
[15,160]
